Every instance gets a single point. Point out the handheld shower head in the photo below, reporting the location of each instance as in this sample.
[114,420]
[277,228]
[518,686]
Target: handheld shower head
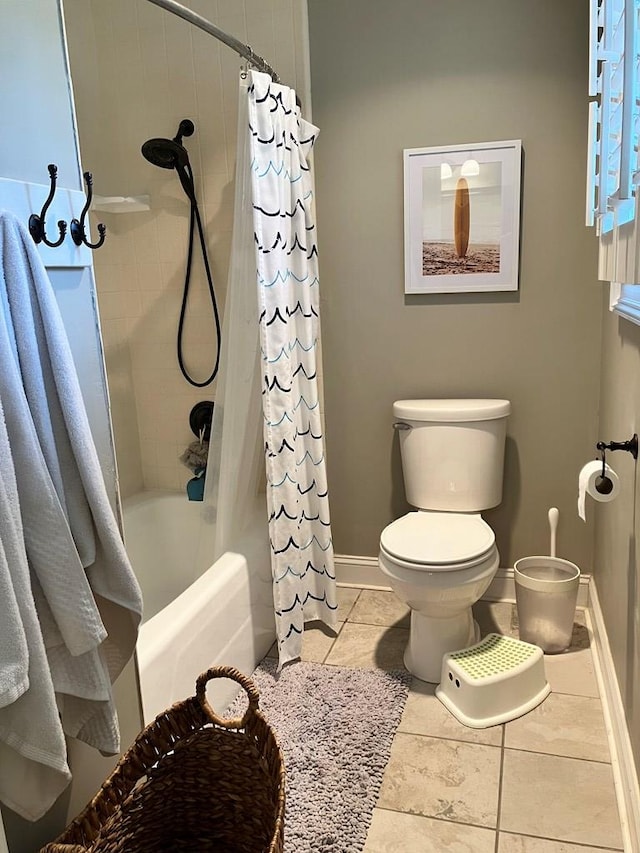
[169,153]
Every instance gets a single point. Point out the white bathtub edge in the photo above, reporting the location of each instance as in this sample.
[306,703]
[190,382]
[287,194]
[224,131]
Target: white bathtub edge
[212,622]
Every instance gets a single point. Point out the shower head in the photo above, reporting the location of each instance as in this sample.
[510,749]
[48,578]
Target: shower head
[164,153]
[169,153]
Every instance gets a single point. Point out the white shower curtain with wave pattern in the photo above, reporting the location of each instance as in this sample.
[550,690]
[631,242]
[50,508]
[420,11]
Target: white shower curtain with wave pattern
[287,272]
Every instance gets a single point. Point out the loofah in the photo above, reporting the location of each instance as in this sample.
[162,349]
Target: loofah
[196,455]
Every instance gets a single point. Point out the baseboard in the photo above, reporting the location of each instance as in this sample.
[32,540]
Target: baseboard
[625,775]
[359,571]
[365,572]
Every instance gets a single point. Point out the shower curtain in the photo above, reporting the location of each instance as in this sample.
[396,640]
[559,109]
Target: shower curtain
[235,449]
[287,275]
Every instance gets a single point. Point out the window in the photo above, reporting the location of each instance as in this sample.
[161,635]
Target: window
[613,168]
[614,116]
[624,299]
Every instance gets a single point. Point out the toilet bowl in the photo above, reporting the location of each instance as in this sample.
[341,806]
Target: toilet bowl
[441,558]
[439,565]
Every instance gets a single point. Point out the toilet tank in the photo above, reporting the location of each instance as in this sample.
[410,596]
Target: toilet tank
[452,452]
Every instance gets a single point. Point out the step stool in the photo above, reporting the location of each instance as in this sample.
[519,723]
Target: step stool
[493,681]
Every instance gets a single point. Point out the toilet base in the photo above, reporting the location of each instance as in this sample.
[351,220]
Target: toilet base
[431,638]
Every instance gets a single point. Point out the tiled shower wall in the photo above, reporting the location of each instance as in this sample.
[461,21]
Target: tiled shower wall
[137,71]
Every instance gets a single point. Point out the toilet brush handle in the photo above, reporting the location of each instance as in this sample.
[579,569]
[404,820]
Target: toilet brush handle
[554,515]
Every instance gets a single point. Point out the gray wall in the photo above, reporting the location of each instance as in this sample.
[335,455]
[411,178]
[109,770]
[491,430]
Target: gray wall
[389,76]
[616,559]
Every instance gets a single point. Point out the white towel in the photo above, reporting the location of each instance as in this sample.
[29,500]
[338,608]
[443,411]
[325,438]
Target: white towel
[112,580]
[86,596]
[33,764]
[37,378]
[82,685]
[14,654]
[53,556]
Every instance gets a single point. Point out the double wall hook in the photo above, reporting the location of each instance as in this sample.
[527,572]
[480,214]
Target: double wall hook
[37,222]
[78,234]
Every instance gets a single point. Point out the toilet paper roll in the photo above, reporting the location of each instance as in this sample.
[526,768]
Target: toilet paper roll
[587,479]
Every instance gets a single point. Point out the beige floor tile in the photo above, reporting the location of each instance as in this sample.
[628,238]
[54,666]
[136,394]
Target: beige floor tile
[440,789]
[571,672]
[393,832]
[369,646]
[442,778]
[564,799]
[347,597]
[424,714]
[562,725]
[522,844]
[496,617]
[376,607]
[317,641]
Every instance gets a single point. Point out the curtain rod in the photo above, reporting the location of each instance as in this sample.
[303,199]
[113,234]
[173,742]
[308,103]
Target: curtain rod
[198,21]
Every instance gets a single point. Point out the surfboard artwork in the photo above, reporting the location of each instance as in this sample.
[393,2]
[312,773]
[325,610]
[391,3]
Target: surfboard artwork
[461,215]
[462,221]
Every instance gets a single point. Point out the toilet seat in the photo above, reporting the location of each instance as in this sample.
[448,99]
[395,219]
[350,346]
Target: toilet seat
[438,541]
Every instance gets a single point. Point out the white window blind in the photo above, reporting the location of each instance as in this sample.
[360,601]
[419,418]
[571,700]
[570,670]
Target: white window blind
[614,113]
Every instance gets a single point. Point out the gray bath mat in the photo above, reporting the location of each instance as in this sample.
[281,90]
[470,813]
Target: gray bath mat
[335,726]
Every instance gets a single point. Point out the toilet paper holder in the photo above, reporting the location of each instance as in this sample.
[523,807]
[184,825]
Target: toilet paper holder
[631,445]
[603,484]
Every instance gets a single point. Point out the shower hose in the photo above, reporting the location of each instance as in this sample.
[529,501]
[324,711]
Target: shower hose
[186,178]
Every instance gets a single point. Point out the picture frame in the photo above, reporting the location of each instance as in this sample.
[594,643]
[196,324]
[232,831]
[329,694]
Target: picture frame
[462,217]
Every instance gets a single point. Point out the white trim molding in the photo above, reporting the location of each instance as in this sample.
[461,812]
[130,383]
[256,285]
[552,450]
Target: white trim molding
[625,775]
[359,571]
[365,572]
[624,300]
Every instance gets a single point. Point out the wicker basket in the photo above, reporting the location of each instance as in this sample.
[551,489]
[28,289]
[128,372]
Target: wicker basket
[191,781]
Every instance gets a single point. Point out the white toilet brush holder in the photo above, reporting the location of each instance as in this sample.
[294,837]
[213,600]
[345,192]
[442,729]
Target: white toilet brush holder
[496,680]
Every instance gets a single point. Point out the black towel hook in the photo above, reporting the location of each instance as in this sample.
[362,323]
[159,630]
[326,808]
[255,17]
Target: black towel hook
[37,222]
[78,234]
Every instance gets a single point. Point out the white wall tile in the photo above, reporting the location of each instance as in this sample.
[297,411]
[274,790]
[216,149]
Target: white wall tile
[153,70]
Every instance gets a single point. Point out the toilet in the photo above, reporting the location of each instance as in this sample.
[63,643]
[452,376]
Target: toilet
[441,558]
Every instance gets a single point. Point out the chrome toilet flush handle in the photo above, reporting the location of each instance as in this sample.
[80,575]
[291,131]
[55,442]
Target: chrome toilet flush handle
[401,425]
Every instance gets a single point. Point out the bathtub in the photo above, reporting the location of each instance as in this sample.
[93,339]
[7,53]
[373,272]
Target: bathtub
[195,616]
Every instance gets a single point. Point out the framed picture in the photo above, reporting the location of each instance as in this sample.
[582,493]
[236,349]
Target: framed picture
[462,217]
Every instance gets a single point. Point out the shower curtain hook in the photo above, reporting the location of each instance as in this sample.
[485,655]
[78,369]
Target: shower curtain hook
[244,71]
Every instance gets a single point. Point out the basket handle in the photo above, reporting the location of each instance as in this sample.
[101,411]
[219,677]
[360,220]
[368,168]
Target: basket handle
[243,681]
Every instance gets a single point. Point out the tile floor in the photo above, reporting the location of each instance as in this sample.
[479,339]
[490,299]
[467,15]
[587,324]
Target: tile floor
[539,784]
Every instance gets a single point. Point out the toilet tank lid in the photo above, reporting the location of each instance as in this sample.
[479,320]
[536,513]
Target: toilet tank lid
[451,411]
